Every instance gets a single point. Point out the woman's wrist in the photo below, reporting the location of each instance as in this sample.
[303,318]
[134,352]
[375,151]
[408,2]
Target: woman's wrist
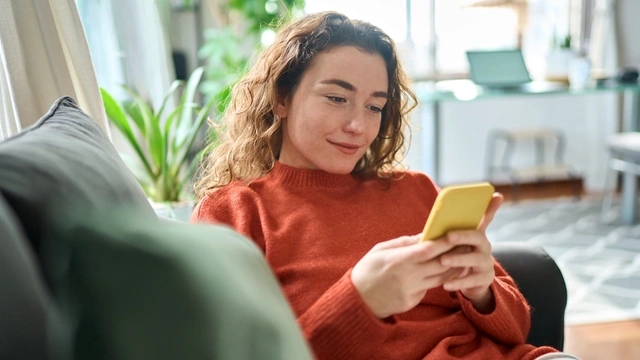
[483,303]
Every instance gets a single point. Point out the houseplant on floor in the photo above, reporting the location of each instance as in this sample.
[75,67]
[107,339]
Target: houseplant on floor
[161,140]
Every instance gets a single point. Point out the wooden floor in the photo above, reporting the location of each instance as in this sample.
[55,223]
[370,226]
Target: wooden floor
[606,341]
[544,190]
[616,340]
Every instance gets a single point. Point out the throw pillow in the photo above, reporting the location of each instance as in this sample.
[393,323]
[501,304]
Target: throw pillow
[23,300]
[60,167]
[144,288]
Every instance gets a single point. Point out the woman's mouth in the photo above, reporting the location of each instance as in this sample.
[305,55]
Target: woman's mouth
[346,148]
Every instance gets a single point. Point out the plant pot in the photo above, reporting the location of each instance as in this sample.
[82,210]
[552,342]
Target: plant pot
[558,64]
[180,211]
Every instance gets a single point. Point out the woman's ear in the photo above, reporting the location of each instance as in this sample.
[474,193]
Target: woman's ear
[282,107]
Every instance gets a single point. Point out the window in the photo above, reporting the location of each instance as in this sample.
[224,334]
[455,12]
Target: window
[457,26]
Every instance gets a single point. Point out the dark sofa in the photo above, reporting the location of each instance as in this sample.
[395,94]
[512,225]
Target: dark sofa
[88,271]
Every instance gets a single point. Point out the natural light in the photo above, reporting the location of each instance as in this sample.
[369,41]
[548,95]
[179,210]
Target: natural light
[458,28]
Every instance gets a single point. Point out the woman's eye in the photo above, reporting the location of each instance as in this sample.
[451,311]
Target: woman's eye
[375,109]
[336,99]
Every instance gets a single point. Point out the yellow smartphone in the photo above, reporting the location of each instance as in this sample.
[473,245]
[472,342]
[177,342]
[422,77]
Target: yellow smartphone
[458,207]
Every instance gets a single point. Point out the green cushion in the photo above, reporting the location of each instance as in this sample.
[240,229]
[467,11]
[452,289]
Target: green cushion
[153,289]
[23,299]
[64,156]
[126,284]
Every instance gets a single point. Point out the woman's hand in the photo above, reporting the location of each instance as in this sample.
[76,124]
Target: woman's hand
[479,273]
[395,275]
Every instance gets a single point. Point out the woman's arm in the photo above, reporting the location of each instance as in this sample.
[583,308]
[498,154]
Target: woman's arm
[508,321]
[339,325]
[358,310]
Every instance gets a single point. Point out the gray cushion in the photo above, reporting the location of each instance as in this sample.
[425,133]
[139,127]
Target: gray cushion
[151,289]
[23,298]
[128,285]
[65,156]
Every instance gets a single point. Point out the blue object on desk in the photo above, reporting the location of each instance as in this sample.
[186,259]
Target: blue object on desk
[498,68]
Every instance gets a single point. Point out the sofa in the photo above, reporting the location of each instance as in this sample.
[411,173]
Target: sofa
[89,271]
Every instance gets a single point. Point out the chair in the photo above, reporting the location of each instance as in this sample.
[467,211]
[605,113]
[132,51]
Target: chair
[527,265]
[624,157]
[543,139]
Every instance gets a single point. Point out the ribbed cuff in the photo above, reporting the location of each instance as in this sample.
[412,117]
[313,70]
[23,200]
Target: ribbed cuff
[341,326]
[508,323]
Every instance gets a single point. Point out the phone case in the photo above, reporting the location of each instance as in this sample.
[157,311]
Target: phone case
[458,207]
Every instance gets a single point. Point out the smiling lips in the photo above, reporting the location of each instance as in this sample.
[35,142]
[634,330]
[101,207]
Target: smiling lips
[346,148]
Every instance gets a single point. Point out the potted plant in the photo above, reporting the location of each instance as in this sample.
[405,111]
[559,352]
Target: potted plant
[241,26]
[559,60]
[161,142]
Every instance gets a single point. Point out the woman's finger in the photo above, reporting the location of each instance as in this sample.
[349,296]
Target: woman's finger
[419,253]
[468,282]
[493,207]
[434,281]
[474,238]
[396,243]
[471,260]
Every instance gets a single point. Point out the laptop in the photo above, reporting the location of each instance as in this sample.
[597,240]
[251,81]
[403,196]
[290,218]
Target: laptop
[501,70]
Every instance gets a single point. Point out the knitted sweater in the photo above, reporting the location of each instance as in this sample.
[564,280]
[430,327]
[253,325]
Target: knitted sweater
[313,227]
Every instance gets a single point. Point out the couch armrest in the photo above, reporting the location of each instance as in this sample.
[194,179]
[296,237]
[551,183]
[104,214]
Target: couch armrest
[542,284]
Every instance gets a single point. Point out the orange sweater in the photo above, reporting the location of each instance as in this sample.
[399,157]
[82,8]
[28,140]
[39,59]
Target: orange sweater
[314,227]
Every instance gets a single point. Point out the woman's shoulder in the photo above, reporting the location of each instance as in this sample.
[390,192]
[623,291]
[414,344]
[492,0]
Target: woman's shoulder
[413,178]
[404,180]
[231,198]
[233,193]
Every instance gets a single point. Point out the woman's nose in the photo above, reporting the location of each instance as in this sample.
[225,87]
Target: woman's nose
[355,122]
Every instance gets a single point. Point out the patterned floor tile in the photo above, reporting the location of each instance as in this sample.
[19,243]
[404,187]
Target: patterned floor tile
[600,262]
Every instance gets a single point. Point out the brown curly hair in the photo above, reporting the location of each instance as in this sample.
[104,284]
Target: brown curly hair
[251,134]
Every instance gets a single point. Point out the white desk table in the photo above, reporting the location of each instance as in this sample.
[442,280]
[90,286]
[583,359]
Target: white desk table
[465,90]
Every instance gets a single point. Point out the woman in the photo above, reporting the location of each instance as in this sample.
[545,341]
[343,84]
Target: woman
[308,168]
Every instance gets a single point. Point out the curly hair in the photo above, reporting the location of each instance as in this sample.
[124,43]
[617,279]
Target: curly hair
[251,133]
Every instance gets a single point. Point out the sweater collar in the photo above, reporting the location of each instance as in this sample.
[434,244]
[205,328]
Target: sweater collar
[303,178]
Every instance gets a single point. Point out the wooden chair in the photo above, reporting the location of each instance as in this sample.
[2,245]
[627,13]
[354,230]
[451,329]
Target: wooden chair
[542,169]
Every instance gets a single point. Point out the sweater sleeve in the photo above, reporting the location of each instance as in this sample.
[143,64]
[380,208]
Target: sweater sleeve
[339,325]
[509,323]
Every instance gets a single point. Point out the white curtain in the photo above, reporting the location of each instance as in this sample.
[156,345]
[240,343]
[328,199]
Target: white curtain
[44,55]
[130,46]
[603,46]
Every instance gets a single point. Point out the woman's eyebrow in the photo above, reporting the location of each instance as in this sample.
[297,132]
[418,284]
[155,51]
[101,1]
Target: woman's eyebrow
[349,87]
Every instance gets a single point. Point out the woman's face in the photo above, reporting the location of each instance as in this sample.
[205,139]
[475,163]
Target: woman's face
[334,114]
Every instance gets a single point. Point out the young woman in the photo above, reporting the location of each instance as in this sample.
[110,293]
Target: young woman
[308,168]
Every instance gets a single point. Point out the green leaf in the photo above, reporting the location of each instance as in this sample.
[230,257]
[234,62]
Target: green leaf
[222,99]
[117,116]
[133,111]
[174,86]
[153,133]
[183,148]
[185,120]
[190,170]
[169,155]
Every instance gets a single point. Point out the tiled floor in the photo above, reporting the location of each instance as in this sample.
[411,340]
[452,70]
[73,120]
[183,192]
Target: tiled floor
[600,263]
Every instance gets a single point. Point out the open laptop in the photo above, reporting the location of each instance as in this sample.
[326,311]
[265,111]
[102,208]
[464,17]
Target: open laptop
[501,70]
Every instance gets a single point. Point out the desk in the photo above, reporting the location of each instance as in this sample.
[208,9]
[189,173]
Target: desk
[466,90]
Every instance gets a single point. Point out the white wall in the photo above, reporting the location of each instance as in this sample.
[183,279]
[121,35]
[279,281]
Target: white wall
[586,120]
